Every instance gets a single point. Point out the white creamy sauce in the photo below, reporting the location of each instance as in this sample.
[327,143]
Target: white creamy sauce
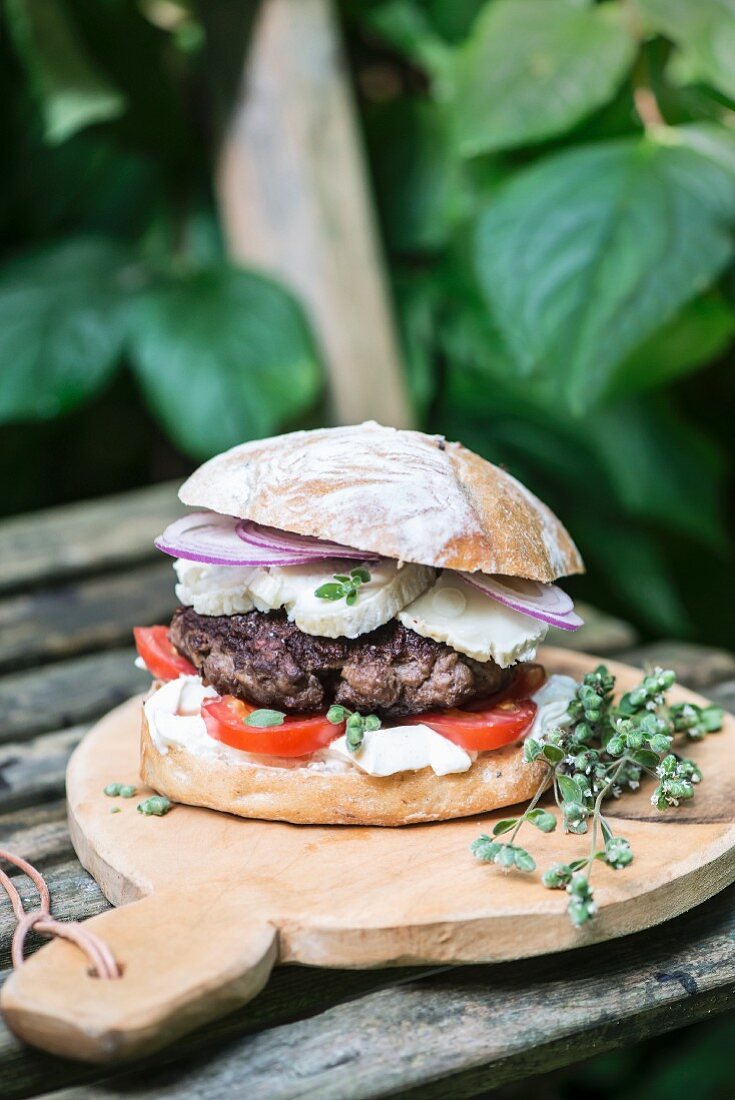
[174,718]
[552,700]
[455,612]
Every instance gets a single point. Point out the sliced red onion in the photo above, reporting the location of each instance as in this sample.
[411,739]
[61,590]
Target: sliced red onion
[546,602]
[213,539]
[269,538]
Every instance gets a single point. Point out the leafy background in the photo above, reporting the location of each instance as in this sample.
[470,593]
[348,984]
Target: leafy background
[556,186]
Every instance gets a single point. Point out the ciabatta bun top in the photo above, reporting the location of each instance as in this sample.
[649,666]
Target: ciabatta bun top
[402,494]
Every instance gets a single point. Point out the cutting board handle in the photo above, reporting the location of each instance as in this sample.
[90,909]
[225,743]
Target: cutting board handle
[186,959]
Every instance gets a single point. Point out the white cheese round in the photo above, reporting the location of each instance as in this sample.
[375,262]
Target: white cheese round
[391,587]
[404,749]
[454,612]
[214,589]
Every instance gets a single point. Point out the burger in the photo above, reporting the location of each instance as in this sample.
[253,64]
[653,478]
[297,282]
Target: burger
[360,610]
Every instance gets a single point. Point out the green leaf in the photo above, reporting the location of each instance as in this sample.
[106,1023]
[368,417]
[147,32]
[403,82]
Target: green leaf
[405,26]
[524,861]
[660,468]
[264,719]
[553,753]
[506,856]
[570,791]
[330,591]
[646,758]
[704,31]
[504,826]
[453,18]
[155,806]
[421,184]
[531,750]
[614,239]
[534,68]
[543,820]
[61,325]
[223,355]
[73,93]
[485,849]
[697,334]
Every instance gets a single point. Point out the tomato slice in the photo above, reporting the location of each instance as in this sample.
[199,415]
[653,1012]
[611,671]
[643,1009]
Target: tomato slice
[161,658]
[225,717]
[480,730]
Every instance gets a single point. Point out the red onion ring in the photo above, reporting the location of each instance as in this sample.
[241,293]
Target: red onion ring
[546,602]
[213,539]
[270,538]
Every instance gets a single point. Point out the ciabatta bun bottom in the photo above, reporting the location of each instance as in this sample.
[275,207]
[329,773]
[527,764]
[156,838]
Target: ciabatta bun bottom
[308,797]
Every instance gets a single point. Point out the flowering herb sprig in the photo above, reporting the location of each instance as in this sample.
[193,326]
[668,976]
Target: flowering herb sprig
[604,748]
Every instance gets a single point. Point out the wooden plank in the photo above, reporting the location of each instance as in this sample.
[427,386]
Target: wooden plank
[33,771]
[476,1027]
[357,897]
[294,199]
[293,993]
[74,896]
[38,833]
[66,694]
[697,666]
[80,538]
[96,613]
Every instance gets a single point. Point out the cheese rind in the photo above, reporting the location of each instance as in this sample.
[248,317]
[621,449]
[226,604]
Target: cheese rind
[454,612]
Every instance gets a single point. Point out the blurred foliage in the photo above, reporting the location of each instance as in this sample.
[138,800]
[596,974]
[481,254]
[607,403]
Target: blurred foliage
[556,184]
[114,255]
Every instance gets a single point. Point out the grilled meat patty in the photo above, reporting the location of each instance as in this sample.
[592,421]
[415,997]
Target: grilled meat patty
[263,658]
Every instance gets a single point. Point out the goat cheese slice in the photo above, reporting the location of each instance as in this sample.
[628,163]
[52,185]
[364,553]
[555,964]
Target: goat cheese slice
[391,587]
[454,612]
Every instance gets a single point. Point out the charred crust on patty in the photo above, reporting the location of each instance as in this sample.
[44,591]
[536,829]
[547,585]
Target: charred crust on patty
[263,658]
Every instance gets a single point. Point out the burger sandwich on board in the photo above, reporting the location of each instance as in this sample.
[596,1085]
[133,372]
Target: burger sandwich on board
[360,613]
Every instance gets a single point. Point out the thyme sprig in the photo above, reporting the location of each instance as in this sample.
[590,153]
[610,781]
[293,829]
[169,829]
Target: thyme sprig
[603,749]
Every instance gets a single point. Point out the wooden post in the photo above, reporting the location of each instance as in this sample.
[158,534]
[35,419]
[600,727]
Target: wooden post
[295,203]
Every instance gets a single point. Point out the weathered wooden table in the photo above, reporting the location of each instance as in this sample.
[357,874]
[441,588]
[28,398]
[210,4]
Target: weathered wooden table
[72,584]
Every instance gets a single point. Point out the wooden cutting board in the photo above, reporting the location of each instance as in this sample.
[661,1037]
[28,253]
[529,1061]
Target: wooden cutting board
[210,902]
